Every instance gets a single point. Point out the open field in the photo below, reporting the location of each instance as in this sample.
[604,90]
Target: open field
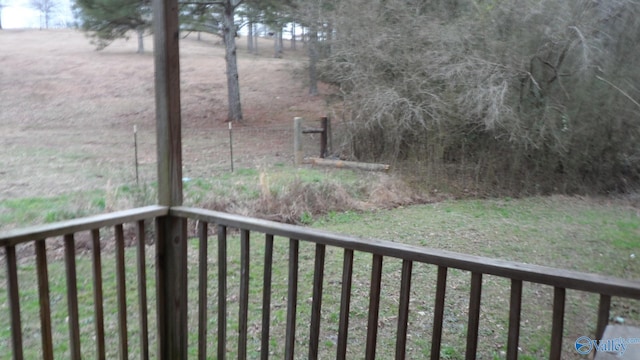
[68,111]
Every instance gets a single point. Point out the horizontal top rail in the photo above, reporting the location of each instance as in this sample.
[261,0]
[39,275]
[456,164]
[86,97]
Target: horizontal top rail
[14,237]
[509,269]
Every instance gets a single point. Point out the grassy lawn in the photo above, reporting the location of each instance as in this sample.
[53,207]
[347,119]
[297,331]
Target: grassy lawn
[589,235]
[585,234]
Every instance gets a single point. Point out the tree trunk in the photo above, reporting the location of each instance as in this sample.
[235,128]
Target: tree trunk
[327,41]
[233,85]
[293,35]
[313,60]
[250,37]
[48,9]
[140,33]
[277,50]
[0,16]
[256,36]
[303,37]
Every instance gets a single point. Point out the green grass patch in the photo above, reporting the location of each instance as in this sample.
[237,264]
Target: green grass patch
[571,233]
[38,210]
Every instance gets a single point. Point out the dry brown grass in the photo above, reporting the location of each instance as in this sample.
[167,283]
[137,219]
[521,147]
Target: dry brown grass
[68,111]
[300,197]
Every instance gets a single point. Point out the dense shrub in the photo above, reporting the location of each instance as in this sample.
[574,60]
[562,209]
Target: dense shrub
[529,97]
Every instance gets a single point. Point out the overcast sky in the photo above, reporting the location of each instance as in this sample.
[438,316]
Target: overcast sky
[17,14]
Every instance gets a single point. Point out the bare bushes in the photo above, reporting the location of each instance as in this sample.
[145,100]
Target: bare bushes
[535,98]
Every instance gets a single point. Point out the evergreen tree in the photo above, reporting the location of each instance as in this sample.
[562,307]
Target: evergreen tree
[200,17]
[229,33]
[108,20]
[218,17]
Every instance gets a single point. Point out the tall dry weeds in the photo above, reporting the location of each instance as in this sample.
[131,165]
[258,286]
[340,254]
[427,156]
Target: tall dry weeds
[296,201]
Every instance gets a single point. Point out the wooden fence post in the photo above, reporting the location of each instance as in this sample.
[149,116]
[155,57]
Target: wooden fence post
[329,137]
[297,140]
[324,123]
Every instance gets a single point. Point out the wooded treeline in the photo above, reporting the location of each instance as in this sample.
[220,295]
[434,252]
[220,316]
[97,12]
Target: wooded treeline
[520,97]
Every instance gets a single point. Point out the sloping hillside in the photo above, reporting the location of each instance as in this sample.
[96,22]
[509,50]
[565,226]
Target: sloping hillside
[68,111]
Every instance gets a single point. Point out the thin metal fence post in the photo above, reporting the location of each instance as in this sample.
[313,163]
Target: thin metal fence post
[297,140]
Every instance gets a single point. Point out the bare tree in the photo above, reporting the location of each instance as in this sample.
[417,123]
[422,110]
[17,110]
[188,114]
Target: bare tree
[46,8]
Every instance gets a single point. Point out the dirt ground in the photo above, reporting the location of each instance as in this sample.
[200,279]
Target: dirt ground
[67,112]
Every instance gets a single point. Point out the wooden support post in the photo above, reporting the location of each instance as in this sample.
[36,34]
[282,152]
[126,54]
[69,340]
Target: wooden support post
[297,141]
[171,254]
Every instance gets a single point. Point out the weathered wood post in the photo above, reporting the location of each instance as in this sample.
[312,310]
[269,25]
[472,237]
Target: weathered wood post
[324,124]
[329,137]
[171,254]
[297,140]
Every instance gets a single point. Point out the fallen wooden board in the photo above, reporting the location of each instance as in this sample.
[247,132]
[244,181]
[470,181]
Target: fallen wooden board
[348,164]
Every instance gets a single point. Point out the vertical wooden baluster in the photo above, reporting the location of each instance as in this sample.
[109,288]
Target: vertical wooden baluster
[202,290]
[603,315]
[266,296]
[121,281]
[515,307]
[45,305]
[374,307]
[72,296]
[403,310]
[557,326]
[142,292]
[222,292]
[438,313]
[292,299]
[474,316]
[316,305]
[160,262]
[243,310]
[345,304]
[14,302]
[97,294]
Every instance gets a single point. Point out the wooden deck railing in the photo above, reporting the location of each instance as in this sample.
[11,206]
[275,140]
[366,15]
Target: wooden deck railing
[40,237]
[517,273]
